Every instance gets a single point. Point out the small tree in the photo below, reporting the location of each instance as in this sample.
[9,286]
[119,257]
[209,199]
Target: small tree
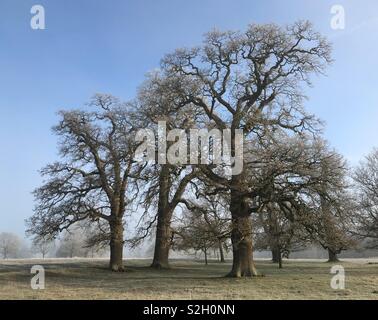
[217,218]
[9,245]
[195,235]
[96,238]
[43,245]
[72,244]
[274,230]
[206,226]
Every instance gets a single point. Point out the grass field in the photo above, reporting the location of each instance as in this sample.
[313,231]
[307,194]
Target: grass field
[89,279]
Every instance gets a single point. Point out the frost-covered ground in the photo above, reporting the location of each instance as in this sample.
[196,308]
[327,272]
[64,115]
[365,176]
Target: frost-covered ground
[90,279]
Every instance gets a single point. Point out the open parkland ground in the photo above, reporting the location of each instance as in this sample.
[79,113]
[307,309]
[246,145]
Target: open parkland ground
[90,279]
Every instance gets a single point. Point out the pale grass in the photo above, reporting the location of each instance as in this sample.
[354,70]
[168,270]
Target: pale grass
[90,279]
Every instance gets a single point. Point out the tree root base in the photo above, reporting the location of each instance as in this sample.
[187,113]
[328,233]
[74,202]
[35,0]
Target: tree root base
[253,274]
[118,269]
[159,266]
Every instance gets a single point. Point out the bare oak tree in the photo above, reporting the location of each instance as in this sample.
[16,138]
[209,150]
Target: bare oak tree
[250,81]
[206,225]
[203,228]
[366,184]
[164,183]
[323,204]
[94,179]
[303,195]
[277,231]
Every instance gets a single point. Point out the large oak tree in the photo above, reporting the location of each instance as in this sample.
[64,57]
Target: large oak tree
[164,183]
[251,81]
[94,180]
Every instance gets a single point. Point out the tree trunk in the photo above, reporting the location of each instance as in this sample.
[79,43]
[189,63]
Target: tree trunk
[275,255]
[241,236]
[279,258]
[205,252]
[221,252]
[116,246]
[328,227]
[163,231]
[163,240]
[332,256]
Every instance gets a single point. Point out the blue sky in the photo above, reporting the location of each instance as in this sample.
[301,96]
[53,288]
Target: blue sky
[108,46]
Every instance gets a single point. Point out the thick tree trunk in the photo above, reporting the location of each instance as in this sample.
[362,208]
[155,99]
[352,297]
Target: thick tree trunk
[221,252]
[328,228]
[332,256]
[163,231]
[116,246]
[241,236]
[242,265]
[163,240]
[275,255]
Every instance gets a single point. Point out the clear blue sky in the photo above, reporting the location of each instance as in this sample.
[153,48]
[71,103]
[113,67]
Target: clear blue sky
[94,46]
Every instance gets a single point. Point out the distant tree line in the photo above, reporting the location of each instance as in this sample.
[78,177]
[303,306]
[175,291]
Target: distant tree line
[76,242]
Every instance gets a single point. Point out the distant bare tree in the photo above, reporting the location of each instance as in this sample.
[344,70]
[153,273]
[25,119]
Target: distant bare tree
[303,195]
[94,180]
[96,238]
[216,216]
[335,209]
[9,245]
[366,183]
[195,234]
[324,205]
[207,225]
[71,245]
[276,231]
[43,245]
